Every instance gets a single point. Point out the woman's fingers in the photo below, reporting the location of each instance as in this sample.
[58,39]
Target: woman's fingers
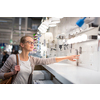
[73,60]
[17,68]
[76,56]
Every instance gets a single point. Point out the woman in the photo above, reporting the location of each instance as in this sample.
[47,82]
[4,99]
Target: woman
[26,63]
[5,56]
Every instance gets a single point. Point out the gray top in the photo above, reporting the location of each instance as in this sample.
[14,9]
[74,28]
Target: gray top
[11,63]
[25,71]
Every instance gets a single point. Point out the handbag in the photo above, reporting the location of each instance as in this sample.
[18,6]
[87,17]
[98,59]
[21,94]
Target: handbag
[30,79]
[30,76]
[9,80]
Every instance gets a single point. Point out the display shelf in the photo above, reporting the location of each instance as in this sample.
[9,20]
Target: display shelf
[74,74]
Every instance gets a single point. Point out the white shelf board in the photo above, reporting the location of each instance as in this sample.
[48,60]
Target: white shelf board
[75,74]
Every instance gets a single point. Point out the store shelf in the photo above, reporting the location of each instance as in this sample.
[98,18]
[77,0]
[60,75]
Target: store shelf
[74,74]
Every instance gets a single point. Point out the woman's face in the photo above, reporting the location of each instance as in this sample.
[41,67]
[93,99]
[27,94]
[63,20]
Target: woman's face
[3,53]
[28,45]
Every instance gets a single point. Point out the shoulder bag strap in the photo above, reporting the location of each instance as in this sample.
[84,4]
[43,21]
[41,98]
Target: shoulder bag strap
[30,76]
[9,81]
[17,59]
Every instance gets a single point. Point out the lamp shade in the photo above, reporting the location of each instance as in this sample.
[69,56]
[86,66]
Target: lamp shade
[80,22]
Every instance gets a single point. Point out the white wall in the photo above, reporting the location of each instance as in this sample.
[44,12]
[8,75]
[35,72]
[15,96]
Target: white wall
[90,56]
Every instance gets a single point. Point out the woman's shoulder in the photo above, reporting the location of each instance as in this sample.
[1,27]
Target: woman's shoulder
[12,57]
[34,58]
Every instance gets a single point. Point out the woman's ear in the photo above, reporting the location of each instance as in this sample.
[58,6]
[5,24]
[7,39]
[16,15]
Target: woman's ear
[22,45]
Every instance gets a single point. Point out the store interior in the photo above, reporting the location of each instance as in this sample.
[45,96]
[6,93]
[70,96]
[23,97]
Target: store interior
[57,37]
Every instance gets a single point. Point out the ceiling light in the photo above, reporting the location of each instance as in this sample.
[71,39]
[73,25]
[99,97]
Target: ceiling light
[52,25]
[54,18]
[56,21]
[79,39]
[75,40]
[44,26]
[84,37]
[42,31]
[59,17]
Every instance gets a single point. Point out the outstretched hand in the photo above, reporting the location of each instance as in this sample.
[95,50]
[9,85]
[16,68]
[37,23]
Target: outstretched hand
[73,57]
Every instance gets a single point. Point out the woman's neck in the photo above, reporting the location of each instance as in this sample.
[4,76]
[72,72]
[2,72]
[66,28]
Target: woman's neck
[24,56]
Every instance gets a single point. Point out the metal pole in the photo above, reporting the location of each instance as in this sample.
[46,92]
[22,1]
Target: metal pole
[20,28]
[26,23]
[12,30]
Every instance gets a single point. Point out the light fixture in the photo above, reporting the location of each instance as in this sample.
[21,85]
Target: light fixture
[72,40]
[44,29]
[37,32]
[56,21]
[41,30]
[84,37]
[52,25]
[44,26]
[81,23]
[59,17]
[77,39]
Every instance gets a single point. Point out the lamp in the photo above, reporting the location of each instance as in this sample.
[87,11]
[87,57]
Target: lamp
[54,20]
[52,25]
[77,39]
[81,23]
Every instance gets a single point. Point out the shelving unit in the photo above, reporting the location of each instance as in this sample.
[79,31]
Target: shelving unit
[37,44]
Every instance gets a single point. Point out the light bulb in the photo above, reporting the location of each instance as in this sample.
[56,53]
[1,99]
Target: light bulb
[84,37]
[79,39]
[72,40]
[75,40]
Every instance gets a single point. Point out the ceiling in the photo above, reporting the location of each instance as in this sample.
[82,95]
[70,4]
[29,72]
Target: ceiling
[15,27]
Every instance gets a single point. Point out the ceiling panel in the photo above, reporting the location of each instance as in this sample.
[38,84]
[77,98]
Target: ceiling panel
[8,27]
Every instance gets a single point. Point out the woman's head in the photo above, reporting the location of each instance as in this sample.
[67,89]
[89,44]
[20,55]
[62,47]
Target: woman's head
[5,52]
[27,43]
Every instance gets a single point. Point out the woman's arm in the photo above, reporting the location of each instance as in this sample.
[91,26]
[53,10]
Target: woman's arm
[8,75]
[6,68]
[46,61]
[71,58]
[16,70]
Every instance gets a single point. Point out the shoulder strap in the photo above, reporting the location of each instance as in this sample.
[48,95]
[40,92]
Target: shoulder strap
[31,64]
[17,59]
[13,78]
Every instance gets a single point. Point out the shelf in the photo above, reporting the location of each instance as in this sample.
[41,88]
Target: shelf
[74,74]
[86,30]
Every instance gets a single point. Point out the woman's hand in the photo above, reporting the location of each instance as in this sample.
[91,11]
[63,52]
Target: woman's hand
[73,57]
[17,69]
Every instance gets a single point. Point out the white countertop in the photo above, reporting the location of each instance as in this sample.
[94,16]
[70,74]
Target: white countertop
[75,74]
